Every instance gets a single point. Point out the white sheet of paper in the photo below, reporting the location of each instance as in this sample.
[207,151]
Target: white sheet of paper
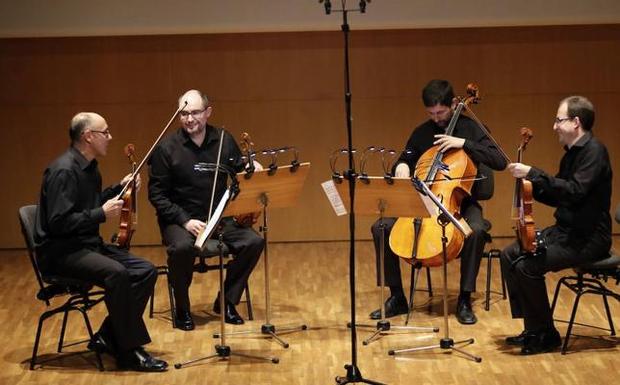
[334,198]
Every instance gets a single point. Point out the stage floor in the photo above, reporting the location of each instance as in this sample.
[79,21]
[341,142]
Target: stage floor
[309,285]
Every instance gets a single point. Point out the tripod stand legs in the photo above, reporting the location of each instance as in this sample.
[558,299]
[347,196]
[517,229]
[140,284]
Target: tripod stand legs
[269,331]
[224,352]
[444,343]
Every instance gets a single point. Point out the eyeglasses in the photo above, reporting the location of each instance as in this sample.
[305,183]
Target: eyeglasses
[560,120]
[195,114]
[105,132]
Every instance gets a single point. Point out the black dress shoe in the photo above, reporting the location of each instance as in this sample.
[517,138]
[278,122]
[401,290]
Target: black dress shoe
[101,344]
[541,342]
[464,312]
[230,313]
[517,340]
[394,305]
[184,321]
[139,360]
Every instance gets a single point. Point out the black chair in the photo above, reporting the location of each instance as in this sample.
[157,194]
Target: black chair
[211,250]
[590,279]
[490,255]
[81,296]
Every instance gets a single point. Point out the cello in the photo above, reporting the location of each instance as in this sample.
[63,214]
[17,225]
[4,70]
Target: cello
[451,176]
[522,212]
[129,211]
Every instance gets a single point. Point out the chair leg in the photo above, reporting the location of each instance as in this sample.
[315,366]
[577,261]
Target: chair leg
[63,328]
[35,349]
[152,299]
[487,294]
[561,282]
[173,307]
[611,322]
[429,284]
[248,302]
[415,277]
[90,335]
[571,322]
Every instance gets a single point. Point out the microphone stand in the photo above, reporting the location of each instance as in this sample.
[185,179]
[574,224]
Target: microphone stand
[353,373]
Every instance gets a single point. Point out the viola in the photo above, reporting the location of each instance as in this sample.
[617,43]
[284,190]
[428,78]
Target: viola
[522,207]
[128,193]
[129,211]
[450,176]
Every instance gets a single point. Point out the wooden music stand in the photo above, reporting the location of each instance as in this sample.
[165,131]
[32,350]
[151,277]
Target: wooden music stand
[277,188]
[376,197]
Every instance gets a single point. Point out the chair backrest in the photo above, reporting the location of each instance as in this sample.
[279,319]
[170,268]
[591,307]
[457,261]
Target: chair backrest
[27,218]
[618,213]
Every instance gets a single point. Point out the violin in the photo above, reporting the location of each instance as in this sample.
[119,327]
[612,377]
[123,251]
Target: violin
[129,211]
[523,200]
[450,176]
[247,148]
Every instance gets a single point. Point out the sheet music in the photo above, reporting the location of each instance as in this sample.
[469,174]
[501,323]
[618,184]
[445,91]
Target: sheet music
[329,187]
[215,218]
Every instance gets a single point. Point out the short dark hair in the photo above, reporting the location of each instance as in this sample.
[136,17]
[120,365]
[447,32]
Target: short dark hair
[79,123]
[580,107]
[438,91]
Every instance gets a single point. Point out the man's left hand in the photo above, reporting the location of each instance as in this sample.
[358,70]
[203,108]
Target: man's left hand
[447,142]
[127,179]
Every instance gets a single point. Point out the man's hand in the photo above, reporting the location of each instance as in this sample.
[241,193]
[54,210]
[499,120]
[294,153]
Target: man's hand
[194,226]
[519,170]
[112,208]
[127,179]
[447,142]
[402,171]
[257,166]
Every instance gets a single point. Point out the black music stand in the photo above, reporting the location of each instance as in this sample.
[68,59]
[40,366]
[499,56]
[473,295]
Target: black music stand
[444,219]
[278,188]
[222,350]
[393,198]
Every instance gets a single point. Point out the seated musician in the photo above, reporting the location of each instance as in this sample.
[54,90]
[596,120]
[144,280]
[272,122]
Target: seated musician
[581,193]
[71,208]
[180,190]
[439,102]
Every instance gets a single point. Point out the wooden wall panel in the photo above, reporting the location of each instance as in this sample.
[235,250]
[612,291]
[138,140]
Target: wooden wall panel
[287,89]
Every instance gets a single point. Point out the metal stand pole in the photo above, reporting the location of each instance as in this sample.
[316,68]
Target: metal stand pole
[446,343]
[223,351]
[267,328]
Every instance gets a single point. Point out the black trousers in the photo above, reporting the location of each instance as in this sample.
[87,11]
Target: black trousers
[470,255]
[128,282]
[243,242]
[525,275]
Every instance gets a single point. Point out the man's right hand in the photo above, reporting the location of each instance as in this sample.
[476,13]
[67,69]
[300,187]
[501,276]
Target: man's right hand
[194,226]
[402,171]
[112,208]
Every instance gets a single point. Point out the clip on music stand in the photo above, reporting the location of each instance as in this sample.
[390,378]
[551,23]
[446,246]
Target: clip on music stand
[375,196]
[444,219]
[277,188]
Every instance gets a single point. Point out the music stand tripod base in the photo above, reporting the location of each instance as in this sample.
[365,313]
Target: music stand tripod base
[445,343]
[222,350]
[263,190]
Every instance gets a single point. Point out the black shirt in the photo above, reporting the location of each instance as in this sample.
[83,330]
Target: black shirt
[581,190]
[70,206]
[477,145]
[180,180]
